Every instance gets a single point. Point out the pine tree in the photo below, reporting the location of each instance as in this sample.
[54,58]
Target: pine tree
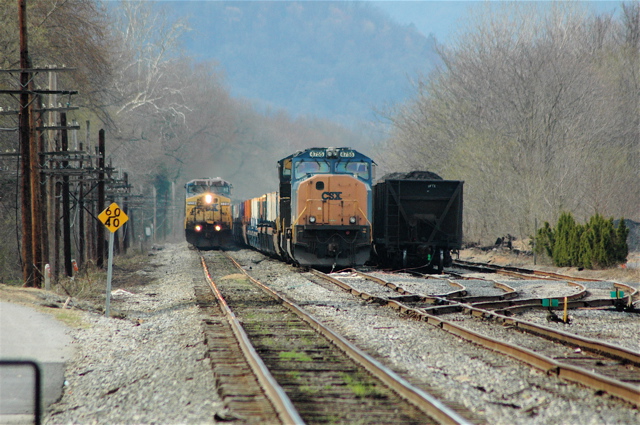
[596,244]
[562,249]
[621,248]
[545,239]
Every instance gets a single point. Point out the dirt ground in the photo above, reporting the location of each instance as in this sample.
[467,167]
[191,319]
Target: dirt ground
[84,292]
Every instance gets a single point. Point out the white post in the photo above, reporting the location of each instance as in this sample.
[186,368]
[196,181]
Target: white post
[47,277]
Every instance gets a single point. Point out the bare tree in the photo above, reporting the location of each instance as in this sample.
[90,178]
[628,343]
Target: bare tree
[521,110]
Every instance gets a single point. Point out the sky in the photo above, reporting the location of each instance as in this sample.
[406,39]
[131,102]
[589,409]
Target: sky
[444,17]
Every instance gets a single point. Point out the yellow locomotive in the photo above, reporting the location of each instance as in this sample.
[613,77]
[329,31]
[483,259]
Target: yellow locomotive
[208,220]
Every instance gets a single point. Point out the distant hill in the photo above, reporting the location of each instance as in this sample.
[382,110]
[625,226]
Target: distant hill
[334,60]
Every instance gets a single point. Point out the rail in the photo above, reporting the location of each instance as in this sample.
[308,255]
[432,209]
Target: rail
[281,402]
[619,389]
[419,398]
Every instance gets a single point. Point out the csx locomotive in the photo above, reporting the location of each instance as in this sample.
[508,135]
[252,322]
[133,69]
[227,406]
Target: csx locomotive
[208,219]
[321,215]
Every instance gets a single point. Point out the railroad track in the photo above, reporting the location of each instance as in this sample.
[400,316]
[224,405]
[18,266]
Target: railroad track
[307,372]
[624,302]
[618,369]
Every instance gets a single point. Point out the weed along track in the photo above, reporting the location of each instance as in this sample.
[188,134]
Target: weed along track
[323,383]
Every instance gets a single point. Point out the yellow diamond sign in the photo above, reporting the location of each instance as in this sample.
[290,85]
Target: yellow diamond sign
[113,217]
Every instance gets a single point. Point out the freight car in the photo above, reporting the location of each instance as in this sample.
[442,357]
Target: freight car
[208,219]
[417,220]
[321,215]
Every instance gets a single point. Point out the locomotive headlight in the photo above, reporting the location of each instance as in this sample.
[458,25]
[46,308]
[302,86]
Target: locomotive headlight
[208,198]
[352,219]
[312,219]
[198,228]
[218,227]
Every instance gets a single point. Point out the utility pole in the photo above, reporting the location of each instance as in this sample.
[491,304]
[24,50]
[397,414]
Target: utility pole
[28,269]
[66,209]
[101,201]
[80,217]
[42,197]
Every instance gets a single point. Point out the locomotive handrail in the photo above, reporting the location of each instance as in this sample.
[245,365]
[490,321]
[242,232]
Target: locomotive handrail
[295,223]
[368,222]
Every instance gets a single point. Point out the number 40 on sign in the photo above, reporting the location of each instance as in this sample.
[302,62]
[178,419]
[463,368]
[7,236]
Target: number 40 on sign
[113,217]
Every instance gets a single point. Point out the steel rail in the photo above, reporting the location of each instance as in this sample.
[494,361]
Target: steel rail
[282,404]
[632,292]
[619,389]
[621,353]
[460,295]
[419,398]
[618,352]
[460,292]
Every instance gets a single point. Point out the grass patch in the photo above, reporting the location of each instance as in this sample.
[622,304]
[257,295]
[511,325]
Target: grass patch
[295,356]
[71,318]
[293,374]
[361,389]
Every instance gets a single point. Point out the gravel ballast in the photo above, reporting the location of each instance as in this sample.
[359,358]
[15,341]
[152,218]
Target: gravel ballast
[150,366]
[498,389]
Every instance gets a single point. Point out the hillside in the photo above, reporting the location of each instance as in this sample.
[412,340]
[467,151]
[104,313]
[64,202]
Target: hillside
[334,60]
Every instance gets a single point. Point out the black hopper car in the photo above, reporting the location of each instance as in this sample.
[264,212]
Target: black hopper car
[417,220]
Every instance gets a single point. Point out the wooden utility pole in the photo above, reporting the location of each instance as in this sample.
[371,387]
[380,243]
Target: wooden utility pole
[80,216]
[42,197]
[28,269]
[126,238]
[36,204]
[101,201]
[56,230]
[66,207]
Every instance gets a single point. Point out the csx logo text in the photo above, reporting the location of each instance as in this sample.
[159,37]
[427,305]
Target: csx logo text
[331,196]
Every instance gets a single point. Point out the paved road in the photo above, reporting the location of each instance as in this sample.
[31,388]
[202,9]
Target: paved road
[26,334]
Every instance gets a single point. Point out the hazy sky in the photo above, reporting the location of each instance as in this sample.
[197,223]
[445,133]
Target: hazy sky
[443,17]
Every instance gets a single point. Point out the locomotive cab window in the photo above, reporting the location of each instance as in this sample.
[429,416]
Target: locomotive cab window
[360,169]
[196,189]
[311,167]
[286,169]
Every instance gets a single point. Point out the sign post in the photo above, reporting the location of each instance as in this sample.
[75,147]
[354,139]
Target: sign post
[113,218]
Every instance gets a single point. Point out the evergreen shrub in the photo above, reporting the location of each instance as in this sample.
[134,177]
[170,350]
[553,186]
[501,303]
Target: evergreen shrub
[596,244]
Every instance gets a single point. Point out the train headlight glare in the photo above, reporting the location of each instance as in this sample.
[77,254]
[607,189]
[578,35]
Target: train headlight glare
[218,227]
[198,228]
[312,219]
[208,198]
[352,220]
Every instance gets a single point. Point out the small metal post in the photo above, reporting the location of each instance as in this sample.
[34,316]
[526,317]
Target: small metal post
[109,275]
